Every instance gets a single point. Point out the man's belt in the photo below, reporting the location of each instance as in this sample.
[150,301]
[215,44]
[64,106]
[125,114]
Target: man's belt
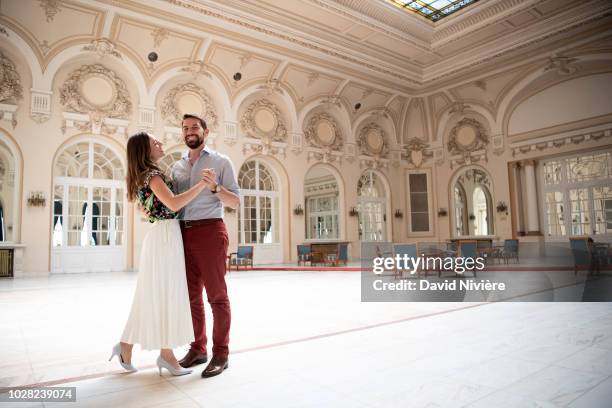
[197,223]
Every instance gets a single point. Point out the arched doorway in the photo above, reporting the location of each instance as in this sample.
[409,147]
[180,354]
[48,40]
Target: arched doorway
[322,196]
[372,207]
[259,219]
[471,190]
[89,207]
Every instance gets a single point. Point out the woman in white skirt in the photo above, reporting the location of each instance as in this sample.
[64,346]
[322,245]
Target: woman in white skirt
[160,317]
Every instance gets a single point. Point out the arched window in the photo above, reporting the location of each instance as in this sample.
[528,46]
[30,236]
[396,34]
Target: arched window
[481,210]
[8,193]
[372,204]
[89,197]
[258,222]
[166,163]
[460,211]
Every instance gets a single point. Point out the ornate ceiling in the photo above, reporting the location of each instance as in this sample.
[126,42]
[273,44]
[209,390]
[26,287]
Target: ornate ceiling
[368,56]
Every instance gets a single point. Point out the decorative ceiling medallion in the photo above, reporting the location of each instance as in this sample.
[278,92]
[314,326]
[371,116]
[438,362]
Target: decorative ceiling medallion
[10,82]
[466,137]
[190,97]
[372,141]
[263,120]
[96,89]
[322,131]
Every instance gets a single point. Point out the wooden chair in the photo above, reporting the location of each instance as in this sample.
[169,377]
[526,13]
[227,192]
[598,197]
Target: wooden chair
[341,255]
[304,254]
[243,257]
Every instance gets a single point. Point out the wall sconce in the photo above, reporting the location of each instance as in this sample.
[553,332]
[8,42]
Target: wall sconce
[442,212]
[36,199]
[298,210]
[502,207]
[353,212]
[398,214]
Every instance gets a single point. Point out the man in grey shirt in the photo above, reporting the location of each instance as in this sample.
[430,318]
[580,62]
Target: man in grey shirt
[205,241]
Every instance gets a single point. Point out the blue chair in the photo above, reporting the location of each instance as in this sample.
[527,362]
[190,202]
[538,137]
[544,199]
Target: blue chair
[467,249]
[410,250]
[243,257]
[582,251]
[510,250]
[343,253]
[304,254]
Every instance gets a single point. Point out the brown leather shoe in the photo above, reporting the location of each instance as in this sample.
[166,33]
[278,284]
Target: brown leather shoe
[193,358]
[215,367]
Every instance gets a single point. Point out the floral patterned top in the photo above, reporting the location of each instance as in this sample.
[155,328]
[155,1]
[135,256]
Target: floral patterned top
[152,206]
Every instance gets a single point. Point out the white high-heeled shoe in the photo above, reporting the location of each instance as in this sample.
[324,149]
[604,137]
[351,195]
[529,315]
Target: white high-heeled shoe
[161,363]
[117,352]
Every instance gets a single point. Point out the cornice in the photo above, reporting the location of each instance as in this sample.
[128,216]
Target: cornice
[282,35]
[372,13]
[447,31]
[478,59]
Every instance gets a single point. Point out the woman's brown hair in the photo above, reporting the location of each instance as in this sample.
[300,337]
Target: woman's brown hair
[139,162]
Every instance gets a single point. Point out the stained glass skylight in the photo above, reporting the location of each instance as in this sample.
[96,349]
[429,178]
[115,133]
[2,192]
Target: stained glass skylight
[433,10]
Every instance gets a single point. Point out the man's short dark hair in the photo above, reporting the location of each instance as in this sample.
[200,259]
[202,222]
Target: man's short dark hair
[192,116]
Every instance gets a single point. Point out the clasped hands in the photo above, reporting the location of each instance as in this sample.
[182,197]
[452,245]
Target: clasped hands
[209,177]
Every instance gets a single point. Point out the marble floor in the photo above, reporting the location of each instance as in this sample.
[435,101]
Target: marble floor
[305,339]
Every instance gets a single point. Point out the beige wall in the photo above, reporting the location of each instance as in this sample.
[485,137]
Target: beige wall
[539,113]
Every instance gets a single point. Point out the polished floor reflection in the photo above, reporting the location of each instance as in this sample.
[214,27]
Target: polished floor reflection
[304,339]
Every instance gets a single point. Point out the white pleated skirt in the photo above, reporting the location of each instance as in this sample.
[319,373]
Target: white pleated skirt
[160,316]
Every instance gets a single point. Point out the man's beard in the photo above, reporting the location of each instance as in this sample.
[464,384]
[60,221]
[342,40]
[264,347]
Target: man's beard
[194,144]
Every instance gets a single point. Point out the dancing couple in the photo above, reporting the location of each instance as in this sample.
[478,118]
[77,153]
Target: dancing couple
[183,254]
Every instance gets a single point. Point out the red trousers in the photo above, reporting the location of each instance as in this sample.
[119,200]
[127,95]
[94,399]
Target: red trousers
[205,256]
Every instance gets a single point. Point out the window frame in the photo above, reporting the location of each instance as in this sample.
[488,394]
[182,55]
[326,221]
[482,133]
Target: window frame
[430,231]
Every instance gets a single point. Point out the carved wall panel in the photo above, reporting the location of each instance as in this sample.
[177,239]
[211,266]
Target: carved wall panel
[263,120]
[188,98]
[322,131]
[97,91]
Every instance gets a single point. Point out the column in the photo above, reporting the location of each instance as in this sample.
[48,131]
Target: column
[533,223]
[519,219]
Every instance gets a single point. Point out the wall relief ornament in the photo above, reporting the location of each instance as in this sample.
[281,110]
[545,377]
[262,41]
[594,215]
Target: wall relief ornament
[416,152]
[562,65]
[97,91]
[188,98]
[10,83]
[197,68]
[51,7]
[466,137]
[262,120]
[102,47]
[323,132]
[372,141]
